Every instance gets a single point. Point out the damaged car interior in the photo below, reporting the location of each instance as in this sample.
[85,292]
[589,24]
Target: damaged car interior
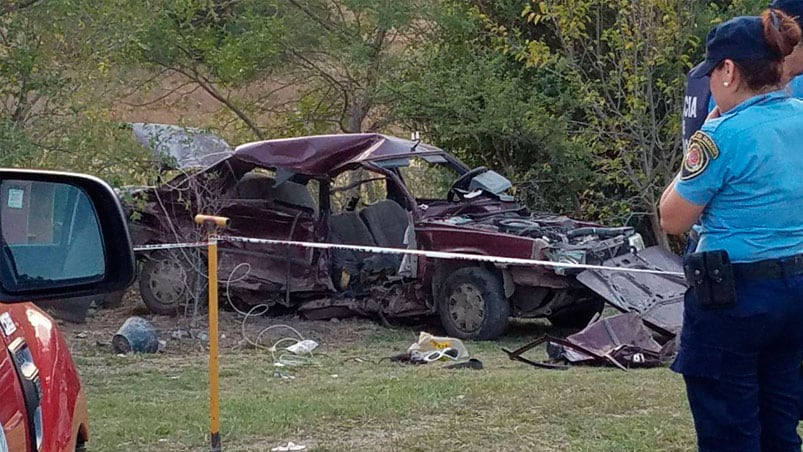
[371,190]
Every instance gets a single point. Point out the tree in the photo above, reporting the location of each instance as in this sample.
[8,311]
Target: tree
[215,45]
[625,62]
[47,120]
[492,110]
[348,51]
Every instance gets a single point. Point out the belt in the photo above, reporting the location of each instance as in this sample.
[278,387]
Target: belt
[770,268]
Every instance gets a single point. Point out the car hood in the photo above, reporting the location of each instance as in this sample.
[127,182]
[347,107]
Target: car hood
[181,148]
[658,298]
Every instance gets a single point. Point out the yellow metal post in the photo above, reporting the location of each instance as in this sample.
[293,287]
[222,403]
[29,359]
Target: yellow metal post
[214,381]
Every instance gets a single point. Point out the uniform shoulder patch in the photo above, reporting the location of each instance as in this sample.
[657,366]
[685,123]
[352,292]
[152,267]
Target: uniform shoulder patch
[702,149]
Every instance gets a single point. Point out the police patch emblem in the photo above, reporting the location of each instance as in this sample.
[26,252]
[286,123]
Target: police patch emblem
[702,149]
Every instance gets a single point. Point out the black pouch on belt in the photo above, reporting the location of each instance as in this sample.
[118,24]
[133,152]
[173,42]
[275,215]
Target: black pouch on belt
[710,275]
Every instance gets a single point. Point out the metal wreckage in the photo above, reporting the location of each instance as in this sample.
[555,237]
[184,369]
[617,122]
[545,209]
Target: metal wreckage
[382,191]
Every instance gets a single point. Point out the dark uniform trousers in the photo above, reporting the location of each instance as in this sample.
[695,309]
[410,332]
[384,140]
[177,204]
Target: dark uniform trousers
[741,365]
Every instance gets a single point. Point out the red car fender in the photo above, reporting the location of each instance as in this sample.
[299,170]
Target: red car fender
[64,407]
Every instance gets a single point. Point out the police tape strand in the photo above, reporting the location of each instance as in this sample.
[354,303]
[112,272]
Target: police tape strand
[169,246]
[445,255]
[432,254]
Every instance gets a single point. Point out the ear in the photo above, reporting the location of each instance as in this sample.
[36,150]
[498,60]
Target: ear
[730,74]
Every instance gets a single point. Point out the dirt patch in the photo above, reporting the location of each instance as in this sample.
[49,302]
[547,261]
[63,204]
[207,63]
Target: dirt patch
[187,334]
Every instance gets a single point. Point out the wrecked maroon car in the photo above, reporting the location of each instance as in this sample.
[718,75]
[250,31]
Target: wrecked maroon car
[371,190]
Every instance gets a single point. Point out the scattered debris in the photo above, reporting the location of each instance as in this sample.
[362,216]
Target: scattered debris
[137,335]
[291,446]
[428,343]
[429,349]
[472,363]
[621,340]
[302,347]
[179,334]
[283,375]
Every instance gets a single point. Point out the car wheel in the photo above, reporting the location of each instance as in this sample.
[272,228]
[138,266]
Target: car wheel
[166,283]
[472,304]
[577,315]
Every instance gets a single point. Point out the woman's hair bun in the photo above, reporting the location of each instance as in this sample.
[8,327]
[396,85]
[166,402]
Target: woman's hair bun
[781,32]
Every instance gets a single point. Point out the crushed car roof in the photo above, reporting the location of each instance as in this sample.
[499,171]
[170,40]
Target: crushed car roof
[322,154]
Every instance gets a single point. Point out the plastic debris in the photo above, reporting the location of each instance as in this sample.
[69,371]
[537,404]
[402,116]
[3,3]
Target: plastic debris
[291,446]
[303,347]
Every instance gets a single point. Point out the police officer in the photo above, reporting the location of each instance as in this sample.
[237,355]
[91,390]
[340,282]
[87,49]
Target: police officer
[742,341]
[698,103]
[695,105]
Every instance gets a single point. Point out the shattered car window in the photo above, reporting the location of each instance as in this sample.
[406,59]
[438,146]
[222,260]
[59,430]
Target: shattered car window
[357,188]
[428,180]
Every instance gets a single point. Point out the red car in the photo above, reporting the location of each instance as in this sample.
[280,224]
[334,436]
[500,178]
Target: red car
[376,190]
[62,236]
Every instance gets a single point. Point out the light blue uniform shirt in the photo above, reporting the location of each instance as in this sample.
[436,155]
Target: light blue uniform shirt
[795,87]
[750,178]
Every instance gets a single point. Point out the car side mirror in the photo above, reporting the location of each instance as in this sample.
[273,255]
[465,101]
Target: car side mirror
[61,235]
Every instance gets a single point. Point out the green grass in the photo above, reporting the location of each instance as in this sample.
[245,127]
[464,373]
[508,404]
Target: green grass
[160,402]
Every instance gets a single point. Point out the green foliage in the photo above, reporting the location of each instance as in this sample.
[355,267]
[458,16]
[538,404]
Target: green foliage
[347,52]
[577,101]
[46,119]
[225,42]
[491,110]
[625,63]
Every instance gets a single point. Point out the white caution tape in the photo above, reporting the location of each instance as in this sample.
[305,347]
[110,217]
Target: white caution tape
[169,246]
[444,255]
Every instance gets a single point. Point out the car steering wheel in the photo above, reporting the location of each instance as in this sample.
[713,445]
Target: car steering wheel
[462,183]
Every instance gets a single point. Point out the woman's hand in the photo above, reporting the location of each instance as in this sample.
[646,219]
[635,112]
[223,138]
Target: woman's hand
[715,113]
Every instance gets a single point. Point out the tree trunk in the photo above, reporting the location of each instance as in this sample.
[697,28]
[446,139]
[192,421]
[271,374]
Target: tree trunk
[660,236]
[356,116]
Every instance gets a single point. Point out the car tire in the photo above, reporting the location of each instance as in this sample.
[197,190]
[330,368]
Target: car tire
[166,282]
[472,304]
[578,315]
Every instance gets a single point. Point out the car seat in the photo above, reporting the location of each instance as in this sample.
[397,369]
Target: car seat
[262,186]
[388,222]
[347,228]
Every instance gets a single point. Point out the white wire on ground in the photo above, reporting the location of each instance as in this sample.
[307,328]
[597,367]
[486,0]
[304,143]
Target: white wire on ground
[280,356]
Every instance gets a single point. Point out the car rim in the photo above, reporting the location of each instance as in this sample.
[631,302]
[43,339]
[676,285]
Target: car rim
[467,307]
[168,282]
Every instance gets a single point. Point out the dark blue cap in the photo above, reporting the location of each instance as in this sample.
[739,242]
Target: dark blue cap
[739,39]
[792,8]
